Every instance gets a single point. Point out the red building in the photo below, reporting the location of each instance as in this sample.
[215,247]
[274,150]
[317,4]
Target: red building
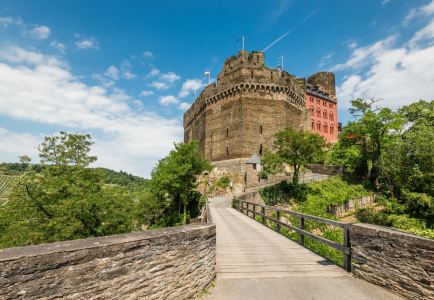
[324,112]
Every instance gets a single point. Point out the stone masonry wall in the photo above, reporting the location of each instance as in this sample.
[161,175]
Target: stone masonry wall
[326,170]
[169,263]
[396,260]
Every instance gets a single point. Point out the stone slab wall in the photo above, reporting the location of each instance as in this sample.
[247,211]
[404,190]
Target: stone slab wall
[351,205]
[326,170]
[396,260]
[169,263]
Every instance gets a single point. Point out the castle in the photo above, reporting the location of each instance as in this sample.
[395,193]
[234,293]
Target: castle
[237,117]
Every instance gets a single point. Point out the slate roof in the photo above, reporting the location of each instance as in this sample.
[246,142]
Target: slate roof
[254,159]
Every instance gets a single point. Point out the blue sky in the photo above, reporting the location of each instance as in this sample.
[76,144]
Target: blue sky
[125,71]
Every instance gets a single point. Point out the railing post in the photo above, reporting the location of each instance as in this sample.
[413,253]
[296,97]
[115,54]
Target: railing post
[278,219]
[300,236]
[347,243]
[263,214]
[254,209]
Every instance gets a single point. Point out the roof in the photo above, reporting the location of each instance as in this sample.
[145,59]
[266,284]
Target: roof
[254,159]
[317,91]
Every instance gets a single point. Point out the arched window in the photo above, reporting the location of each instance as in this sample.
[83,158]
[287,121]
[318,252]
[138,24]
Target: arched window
[332,129]
[318,112]
[331,117]
[325,128]
[324,114]
[313,125]
[318,126]
[312,113]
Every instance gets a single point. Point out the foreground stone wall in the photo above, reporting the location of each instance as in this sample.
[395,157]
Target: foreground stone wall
[396,260]
[169,263]
[326,170]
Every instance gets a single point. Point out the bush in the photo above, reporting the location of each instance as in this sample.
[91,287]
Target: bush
[223,182]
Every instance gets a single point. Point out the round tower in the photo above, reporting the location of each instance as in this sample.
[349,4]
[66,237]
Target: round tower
[325,79]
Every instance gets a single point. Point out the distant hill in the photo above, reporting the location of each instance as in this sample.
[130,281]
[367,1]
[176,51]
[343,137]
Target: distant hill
[111,177]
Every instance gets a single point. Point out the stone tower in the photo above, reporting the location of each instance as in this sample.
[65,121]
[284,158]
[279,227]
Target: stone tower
[238,116]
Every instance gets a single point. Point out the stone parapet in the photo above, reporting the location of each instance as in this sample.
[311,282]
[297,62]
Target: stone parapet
[326,170]
[399,261]
[169,263]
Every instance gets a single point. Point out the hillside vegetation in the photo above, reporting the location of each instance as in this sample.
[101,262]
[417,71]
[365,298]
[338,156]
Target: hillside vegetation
[5,185]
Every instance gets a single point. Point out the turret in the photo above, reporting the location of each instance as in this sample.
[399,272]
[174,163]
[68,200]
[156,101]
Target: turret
[325,79]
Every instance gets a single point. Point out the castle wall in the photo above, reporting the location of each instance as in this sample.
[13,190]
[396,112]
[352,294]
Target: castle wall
[326,79]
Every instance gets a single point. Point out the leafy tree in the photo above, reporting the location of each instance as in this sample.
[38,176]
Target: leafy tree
[296,148]
[373,129]
[174,178]
[66,200]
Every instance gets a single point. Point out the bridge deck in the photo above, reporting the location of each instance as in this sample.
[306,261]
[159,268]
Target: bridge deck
[247,249]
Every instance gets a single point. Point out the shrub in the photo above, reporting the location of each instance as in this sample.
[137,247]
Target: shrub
[223,182]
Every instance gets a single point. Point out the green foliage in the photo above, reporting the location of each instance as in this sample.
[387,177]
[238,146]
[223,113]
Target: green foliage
[6,183]
[133,183]
[174,179]
[344,155]
[66,200]
[296,148]
[223,182]
[263,174]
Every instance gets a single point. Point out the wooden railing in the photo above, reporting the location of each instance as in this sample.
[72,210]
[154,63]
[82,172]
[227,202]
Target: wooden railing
[244,207]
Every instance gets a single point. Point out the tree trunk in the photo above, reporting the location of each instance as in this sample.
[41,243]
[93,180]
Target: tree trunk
[185,214]
[295,177]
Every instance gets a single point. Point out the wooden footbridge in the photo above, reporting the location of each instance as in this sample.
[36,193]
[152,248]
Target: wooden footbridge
[247,250]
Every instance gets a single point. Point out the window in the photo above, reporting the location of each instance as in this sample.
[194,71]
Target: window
[254,166]
[260,149]
[318,101]
[260,129]
[332,129]
[318,112]
[318,126]
[331,105]
[252,74]
[324,114]
[210,153]
[227,150]
[271,75]
[325,128]
[324,103]
[313,125]
[227,132]
[331,116]
[312,113]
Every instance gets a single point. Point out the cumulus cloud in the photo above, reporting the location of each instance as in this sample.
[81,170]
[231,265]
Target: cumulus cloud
[41,32]
[59,46]
[190,85]
[112,72]
[154,72]
[400,75]
[6,21]
[146,93]
[40,89]
[169,77]
[159,85]
[87,43]
[147,54]
[167,100]
[184,106]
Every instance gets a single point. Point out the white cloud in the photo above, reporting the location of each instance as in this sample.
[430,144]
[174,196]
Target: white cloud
[146,93]
[184,106]
[127,75]
[426,33]
[410,16]
[167,100]
[362,56]
[190,85]
[159,85]
[41,32]
[147,54]
[352,45]
[37,89]
[90,43]
[6,21]
[399,75]
[59,46]
[169,77]
[112,72]
[428,9]
[385,1]
[154,72]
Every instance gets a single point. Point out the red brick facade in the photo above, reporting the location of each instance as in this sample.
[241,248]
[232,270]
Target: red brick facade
[324,113]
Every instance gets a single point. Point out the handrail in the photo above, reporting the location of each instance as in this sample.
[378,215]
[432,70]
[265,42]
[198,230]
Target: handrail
[345,248]
[208,217]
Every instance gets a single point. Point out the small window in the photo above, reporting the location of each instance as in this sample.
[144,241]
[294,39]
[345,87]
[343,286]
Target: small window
[227,150]
[260,129]
[210,151]
[325,127]
[254,166]
[252,74]
[318,112]
[227,132]
[318,126]
[260,149]
[313,125]
[271,75]
[331,117]
[324,114]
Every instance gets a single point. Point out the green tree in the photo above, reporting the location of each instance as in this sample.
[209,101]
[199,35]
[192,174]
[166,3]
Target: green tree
[373,129]
[65,200]
[174,178]
[296,148]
